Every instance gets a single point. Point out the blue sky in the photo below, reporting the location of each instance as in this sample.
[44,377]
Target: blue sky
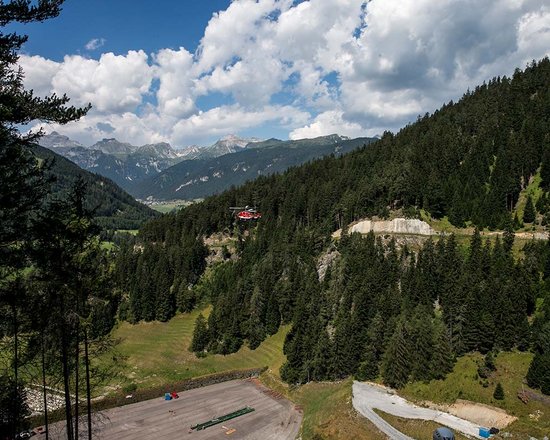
[124,24]
[189,72]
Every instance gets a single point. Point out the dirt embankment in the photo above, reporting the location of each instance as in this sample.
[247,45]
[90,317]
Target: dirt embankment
[484,415]
[405,226]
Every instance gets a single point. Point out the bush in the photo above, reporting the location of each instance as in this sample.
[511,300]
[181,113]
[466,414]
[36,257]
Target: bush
[499,392]
[130,388]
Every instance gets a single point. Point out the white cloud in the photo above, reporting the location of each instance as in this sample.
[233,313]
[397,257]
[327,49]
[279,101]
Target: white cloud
[226,119]
[39,73]
[113,84]
[313,67]
[95,43]
[173,69]
[329,122]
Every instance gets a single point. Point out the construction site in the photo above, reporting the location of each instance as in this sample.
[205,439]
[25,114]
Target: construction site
[239,409]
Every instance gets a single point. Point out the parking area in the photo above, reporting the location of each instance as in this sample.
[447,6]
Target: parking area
[273,418]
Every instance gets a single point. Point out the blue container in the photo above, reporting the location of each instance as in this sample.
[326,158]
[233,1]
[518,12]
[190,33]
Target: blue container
[484,432]
[167,396]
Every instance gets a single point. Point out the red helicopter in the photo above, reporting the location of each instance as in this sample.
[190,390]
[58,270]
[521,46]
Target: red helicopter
[246,213]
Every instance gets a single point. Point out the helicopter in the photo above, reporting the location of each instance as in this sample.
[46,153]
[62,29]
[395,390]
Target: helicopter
[246,213]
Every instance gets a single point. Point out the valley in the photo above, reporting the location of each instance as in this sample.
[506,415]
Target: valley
[366,257]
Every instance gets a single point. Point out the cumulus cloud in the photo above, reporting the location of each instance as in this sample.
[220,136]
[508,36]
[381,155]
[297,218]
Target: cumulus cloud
[413,55]
[329,122]
[113,84]
[95,43]
[222,120]
[175,93]
[313,67]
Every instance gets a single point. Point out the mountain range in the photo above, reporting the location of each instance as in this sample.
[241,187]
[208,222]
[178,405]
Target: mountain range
[160,172]
[192,179]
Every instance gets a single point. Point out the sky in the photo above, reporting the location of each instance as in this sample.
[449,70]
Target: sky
[188,72]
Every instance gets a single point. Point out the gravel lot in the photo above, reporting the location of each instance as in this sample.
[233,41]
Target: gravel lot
[274,418]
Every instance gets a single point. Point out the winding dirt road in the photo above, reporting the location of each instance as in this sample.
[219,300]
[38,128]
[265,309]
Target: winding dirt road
[367,397]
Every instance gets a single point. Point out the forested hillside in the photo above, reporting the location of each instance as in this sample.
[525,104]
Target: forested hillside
[113,207]
[374,310]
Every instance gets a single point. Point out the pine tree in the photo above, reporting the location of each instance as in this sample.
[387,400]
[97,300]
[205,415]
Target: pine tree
[442,358]
[499,392]
[200,335]
[538,375]
[421,337]
[369,368]
[529,212]
[397,361]
[322,358]
[22,181]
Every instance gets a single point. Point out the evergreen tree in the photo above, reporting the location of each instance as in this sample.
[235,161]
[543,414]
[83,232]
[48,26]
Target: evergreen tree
[397,361]
[369,368]
[538,375]
[322,358]
[499,392]
[22,181]
[442,358]
[200,335]
[529,212]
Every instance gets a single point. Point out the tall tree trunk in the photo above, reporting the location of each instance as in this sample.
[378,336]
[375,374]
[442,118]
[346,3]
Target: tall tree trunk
[15,416]
[45,392]
[67,389]
[88,388]
[77,358]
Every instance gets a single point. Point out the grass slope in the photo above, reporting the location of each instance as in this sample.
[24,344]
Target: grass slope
[157,353]
[418,429]
[151,354]
[464,383]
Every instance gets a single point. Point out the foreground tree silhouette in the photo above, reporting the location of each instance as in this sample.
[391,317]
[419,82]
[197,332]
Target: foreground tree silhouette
[22,183]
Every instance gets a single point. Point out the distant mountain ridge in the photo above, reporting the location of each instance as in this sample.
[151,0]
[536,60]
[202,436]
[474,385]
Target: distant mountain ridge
[127,164]
[191,179]
[121,162]
[114,208]
[161,172]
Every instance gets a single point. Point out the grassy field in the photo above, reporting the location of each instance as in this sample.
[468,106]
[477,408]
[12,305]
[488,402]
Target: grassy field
[157,353]
[329,414]
[328,411]
[171,205]
[463,383]
[127,231]
[417,429]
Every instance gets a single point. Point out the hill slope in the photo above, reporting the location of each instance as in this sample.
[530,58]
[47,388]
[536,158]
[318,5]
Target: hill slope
[114,208]
[204,177]
[372,314]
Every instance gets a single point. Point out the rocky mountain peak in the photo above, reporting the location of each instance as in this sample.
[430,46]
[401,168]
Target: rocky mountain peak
[56,140]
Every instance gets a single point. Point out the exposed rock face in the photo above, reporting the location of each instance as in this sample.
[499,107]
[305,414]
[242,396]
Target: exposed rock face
[395,226]
[56,140]
[325,261]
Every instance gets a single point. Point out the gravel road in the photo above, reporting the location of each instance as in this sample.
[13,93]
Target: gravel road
[367,397]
